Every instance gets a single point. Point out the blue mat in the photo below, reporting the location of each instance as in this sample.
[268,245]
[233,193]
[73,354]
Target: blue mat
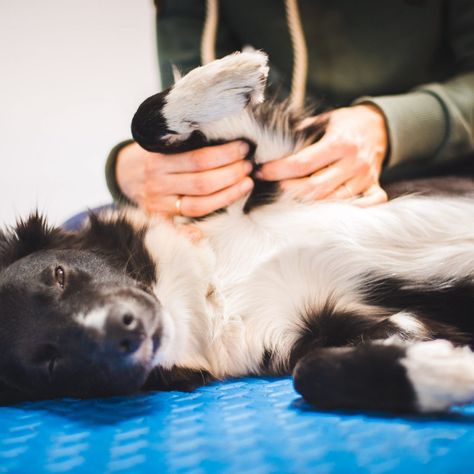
[254,426]
[241,426]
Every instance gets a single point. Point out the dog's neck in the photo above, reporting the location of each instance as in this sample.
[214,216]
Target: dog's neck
[188,296]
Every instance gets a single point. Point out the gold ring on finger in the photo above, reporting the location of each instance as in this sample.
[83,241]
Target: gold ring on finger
[177,205]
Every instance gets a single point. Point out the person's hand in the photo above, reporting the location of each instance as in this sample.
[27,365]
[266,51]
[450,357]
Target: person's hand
[345,164]
[192,184]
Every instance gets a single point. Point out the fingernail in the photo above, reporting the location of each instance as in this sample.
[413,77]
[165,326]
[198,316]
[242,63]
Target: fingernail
[248,167]
[247,185]
[259,174]
[243,148]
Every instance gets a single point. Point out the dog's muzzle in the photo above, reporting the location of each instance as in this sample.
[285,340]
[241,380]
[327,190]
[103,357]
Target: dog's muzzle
[126,324]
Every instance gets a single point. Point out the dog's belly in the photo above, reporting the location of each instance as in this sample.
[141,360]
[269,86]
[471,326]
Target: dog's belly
[278,263]
[412,236]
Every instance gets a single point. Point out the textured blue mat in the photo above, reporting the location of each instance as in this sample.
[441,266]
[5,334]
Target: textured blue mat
[243,426]
[253,426]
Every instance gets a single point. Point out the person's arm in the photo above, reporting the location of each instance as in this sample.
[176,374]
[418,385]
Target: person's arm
[436,121]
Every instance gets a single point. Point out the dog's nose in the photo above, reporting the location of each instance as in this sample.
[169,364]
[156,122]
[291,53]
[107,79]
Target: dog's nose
[124,330]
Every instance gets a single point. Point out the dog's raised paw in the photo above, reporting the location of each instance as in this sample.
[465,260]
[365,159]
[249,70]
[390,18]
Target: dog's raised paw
[217,90]
[442,375]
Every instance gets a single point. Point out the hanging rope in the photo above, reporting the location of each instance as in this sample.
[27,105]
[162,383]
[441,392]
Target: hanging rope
[208,40]
[300,54]
[298,43]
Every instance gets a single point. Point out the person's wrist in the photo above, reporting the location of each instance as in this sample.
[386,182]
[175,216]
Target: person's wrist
[377,122]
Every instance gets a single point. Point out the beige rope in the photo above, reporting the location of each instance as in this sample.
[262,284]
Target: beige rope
[208,39]
[300,54]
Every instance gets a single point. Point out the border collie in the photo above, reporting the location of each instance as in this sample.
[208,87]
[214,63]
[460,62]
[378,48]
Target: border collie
[369,309]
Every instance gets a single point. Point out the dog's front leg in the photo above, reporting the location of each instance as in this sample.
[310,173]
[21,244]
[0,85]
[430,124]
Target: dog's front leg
[180,117]
[427,376]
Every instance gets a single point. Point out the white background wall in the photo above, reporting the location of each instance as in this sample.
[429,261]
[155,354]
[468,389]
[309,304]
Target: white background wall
[72,73]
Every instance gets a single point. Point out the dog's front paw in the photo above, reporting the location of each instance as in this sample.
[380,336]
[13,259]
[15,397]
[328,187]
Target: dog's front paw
[442,375]
[217,90]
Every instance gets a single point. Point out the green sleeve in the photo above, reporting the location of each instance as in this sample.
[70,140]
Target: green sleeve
[110,175]
[436,121]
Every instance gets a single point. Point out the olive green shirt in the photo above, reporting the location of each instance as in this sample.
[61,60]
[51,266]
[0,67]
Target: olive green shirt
[414,59]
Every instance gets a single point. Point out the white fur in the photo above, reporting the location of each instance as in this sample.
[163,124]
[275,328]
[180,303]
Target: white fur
[442,375]
[216,90]
[269,146]
[247,286]
[409,325]
[95,319]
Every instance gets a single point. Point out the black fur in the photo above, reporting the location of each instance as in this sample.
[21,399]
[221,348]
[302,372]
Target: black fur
[48,279]
[177,378]
[123,245]
[28,237]
[330,327]
[364,377]
[444,307]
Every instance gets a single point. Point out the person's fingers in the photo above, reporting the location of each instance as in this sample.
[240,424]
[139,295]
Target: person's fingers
[322,183]
[201,183]
[375,195]
[202,159]
[308,160]
[198,206]
[352,188]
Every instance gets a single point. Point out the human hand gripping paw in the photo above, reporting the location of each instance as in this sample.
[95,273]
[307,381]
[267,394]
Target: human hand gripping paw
[344,165]
[191,184]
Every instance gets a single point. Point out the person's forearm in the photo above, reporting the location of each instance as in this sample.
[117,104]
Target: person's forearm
[434,121]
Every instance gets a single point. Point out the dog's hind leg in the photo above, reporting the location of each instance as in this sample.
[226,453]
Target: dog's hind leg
[428,376]
[173,120]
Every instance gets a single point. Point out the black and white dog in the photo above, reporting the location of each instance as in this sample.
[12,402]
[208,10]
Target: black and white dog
[367,308]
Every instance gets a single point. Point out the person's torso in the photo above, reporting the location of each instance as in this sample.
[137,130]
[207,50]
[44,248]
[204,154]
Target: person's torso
[354,48]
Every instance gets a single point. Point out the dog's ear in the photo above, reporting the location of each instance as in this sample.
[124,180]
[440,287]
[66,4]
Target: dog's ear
[122,243]
[29,236]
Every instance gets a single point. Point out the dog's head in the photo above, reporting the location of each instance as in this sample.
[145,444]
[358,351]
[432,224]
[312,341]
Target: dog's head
[77,316]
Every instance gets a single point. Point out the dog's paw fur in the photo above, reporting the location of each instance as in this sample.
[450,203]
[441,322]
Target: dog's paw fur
[441,374]
[217,90]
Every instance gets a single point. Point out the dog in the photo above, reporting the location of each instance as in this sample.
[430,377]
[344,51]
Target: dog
[368,309]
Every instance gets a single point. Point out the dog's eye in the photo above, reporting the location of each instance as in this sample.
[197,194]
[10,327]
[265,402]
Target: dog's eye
[60,276]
